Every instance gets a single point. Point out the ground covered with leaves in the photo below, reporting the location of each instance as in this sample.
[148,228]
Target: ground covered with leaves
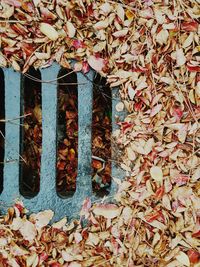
[151,50]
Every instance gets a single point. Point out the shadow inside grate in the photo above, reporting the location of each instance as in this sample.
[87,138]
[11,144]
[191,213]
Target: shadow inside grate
[2,127]
[31,134]
[67,133]
[101,136]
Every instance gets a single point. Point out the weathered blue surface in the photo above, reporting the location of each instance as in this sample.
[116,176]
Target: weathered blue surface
[47,197]
[12,129]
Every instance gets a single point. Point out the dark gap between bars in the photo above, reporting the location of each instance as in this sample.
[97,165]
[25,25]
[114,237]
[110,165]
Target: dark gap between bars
[2,126]
[67,133]
[30,135]
[101,137]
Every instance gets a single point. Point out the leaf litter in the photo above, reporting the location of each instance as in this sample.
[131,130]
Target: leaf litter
[150,49]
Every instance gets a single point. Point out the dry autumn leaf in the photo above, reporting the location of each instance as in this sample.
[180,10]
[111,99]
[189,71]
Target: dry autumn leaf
[49,31]
[108,211]
[156,173]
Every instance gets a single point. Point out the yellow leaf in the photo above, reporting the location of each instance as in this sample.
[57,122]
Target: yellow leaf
[129,15]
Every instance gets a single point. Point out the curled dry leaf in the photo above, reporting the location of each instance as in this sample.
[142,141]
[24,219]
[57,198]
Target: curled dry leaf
[42,218]
[71,30]
[49,31]
[60,224]
[101,25]
[108,211]
[162,37]
[96,63]
[155,110]
[27,230]
[120,33]
[183,258]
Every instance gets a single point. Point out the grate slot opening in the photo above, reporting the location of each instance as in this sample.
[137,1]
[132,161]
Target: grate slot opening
[30,134]
[2,127]
[67,133]
[101,137]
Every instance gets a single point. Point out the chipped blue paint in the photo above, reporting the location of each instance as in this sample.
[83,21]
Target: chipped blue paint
[47,197]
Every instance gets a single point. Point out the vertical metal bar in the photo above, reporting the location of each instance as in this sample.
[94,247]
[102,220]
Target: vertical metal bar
[12,111]
[49,119]
[85,94]
[2,127]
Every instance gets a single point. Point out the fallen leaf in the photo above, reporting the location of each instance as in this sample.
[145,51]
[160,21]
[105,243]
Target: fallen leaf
[108,211]
[183,258]
[96,63]
[49,31]
[156,173]
[162,37]
[180,57]
[71,30]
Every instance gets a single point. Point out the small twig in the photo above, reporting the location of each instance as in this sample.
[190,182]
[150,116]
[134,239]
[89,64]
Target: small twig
[10,120]
[14,21]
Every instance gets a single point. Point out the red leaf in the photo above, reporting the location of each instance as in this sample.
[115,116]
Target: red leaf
[96,164]
[61,165]
[177,113]
[19,207]
[78,44]
[19,29]
[43,256]
[193,255]
[193,68]
[85,67]
[189,26]
[197,234]
[155,216]
[125,126]
[160,192]
[138,106]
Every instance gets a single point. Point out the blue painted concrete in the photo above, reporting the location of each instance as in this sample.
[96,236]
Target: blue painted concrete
[47,198]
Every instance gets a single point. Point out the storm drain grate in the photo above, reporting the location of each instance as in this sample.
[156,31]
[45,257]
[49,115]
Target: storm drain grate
[11,170]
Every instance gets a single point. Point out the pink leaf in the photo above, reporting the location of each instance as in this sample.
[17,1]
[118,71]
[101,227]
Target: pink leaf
[96,63]
[155,110]
[15,3]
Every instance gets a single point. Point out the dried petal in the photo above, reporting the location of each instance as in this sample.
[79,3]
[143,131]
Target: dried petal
[96,63]
[156,173]
[155,110]
[162,37]
[108,211]
[183,258]
[42,218]
[101,25]
[180,57]
[49,31]
[120,33]
[71,30]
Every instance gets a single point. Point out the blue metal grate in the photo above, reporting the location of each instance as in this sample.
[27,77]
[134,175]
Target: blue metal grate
[47,197]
